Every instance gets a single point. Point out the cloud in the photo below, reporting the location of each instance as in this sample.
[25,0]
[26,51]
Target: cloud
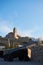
[30,32]
[7,25]
[4,27]
[24,33]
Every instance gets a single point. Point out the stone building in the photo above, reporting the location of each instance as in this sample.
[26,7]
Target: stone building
[13,34]
[13,38]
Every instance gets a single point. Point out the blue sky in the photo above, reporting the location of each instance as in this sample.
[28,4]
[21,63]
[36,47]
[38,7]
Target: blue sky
[25,15]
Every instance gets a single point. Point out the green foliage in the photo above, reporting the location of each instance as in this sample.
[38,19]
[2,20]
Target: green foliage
[15,46]
[6,47]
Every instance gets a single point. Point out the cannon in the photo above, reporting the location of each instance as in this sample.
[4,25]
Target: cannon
[23,54]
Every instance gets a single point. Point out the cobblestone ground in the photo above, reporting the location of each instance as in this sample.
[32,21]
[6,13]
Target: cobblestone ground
[16,62]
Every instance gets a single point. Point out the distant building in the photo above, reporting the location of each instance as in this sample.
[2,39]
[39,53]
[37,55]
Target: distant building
[13,34]
[13,38]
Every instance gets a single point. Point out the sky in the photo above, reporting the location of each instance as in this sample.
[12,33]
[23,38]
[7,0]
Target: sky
[25,15]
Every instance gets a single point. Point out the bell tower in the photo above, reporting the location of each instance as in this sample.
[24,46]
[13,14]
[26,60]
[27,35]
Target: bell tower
[15,32]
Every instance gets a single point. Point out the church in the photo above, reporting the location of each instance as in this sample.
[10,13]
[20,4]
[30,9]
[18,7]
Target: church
[12,39]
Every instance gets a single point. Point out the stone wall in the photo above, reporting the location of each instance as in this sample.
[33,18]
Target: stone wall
[37,53]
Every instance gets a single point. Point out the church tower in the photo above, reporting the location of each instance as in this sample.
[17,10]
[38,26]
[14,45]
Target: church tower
[15,32]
